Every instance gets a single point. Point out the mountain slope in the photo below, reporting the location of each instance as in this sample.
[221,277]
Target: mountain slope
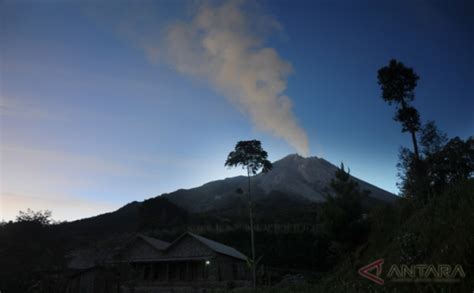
[307,178]
[293,182]
[286,194]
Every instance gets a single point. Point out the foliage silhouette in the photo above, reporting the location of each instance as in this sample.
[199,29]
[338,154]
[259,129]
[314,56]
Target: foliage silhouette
[398,84]
[342,214]
[251,156]
[40,217]
[29,248]
[442,163]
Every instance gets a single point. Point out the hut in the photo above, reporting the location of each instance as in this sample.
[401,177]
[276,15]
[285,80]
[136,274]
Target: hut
[190,261]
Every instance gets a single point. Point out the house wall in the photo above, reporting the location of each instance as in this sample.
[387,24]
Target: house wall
[229,268]
[183,264]
[95,280]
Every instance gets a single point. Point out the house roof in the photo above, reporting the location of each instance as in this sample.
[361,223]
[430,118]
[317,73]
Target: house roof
[214,245]
[156,243]
[84,259]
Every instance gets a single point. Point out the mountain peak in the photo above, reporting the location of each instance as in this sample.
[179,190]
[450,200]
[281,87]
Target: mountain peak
[291,156]
[294,161]
[293,175]
[308,177]
[294,157]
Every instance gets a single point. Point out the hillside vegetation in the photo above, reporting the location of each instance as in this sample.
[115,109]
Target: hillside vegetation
[442,232]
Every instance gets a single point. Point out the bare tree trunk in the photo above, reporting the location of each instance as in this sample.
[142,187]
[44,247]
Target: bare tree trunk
[415,145]
[254,272]
[413,136]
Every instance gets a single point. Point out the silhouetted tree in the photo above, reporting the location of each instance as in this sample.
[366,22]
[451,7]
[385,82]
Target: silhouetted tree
[442,162]
[30,247]
[416,174]
[398,86]
[413,185]
[40,217]
[454,162]
[342,213]
[251,156]
[432,140]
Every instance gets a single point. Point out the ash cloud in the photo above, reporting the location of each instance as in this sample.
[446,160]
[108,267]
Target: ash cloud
[224,44]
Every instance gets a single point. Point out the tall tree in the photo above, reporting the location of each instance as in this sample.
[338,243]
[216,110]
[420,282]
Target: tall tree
[452,163]
[432,140]
[342,213]
[442,163]
[251,156]
[398,84]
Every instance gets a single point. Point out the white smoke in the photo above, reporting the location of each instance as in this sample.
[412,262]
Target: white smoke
[225,45]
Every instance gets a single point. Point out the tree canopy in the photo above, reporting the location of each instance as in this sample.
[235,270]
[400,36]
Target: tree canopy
[249,154]
[398,84]
[342,213]
[41,217]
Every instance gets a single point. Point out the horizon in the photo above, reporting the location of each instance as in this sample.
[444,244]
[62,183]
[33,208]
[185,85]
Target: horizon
[103,105]
[191,187]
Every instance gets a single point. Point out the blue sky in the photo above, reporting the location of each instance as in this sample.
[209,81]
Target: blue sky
[105,104]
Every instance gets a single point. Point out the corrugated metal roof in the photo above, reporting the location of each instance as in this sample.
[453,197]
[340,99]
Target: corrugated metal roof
[219,247]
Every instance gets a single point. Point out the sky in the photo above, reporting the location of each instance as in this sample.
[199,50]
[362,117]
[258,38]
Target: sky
[106,103]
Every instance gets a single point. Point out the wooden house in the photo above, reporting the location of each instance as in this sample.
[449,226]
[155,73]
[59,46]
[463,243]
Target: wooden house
[190,261]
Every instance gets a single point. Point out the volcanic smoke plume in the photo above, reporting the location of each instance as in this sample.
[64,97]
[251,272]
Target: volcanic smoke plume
[225,45]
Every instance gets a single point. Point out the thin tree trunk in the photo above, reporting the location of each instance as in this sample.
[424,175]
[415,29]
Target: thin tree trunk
[415,145]
[413,136]
[254,272]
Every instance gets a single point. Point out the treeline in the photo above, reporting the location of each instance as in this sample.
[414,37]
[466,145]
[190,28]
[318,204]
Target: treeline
[30,251]
[432,222]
